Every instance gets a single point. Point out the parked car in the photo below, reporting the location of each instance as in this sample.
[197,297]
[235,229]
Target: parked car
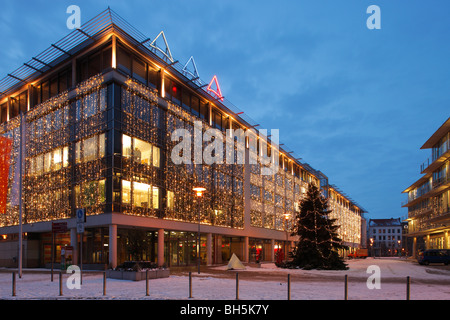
[434,256]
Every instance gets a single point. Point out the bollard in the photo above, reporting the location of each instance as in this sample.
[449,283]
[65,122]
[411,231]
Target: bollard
[13,284]
[146,284]
[237,286]
[190,285]
[104,283]
[408,288]
[60,284]
[346,287]
[289,287]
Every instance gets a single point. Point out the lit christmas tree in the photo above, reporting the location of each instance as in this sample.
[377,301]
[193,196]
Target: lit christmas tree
[318,240]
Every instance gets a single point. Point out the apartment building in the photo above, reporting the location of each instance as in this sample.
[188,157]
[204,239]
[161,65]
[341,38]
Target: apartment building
[428,197]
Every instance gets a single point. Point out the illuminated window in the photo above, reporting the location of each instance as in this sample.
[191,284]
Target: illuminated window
[90,193]
[145,195]
[90,149]
[89,105]
[57,160]
[156,156]
[170,200]
[126,192]
[65,157]
[39,164]
[140,151]
[47,162]
[141,194]
[126,146]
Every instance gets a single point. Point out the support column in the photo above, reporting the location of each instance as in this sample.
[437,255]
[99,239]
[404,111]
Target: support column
[74,245]
[113,245]
[246,249]
[209,247]
[219,249]
[272,250]
[160,247]
[446,244]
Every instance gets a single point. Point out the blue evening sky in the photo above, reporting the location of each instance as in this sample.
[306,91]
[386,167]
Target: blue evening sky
[355,103]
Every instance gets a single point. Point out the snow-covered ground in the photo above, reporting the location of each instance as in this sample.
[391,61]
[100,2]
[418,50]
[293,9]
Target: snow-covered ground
[265,283]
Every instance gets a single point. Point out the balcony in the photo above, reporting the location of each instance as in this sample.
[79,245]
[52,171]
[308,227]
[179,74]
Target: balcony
[439,155]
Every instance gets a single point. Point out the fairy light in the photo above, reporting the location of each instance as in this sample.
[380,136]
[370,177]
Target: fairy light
[47,194]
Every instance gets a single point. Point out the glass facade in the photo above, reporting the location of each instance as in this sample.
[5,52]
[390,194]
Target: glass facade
[103,143]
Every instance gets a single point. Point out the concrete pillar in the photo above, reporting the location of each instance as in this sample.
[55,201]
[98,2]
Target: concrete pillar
[245,249]
[219,249]
[113,245]
[74,244]
[209,247]
[160,247]
[446,239]
[414,248]
[272,250]
[428,246]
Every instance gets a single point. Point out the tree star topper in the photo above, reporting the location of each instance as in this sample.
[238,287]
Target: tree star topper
[216,91]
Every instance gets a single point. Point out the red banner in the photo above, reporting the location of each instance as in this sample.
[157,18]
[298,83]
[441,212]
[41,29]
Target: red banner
[5,154]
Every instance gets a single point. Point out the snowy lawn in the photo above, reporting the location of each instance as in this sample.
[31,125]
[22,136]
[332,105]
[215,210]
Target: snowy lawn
[265,283]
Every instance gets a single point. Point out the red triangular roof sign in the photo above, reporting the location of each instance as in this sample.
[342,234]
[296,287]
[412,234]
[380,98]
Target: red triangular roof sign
[216,91]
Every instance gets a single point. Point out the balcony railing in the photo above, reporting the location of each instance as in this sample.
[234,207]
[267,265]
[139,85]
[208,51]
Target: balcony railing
[424,165]
[441,181]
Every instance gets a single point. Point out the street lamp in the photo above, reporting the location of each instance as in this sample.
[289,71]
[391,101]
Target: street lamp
[199,193]
[287,216]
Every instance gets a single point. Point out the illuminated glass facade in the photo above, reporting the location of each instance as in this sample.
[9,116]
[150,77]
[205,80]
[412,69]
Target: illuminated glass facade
[97,135]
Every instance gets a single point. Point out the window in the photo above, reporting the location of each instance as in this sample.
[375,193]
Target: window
[90,149]
[47,162]
[143,195]
[48,88]
[204,111]
[186,101]
[140,71]
[4,113]
[268,196]
[57,160]
[94,63]
[126,192]
[217,120]
[153,77]
[90,193]
[170,200]
[156,156]
[90,104]
[51,161]
[255,192]
[140,151]
[126,146]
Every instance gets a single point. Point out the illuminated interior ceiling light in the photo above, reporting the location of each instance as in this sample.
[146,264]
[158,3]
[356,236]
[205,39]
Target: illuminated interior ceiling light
[216,91]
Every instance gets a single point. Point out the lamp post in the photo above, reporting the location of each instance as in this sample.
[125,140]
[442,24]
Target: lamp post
[371,248]
[287,216]
[199,193]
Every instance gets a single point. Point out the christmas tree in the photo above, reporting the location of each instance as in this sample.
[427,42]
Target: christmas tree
[319,242]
